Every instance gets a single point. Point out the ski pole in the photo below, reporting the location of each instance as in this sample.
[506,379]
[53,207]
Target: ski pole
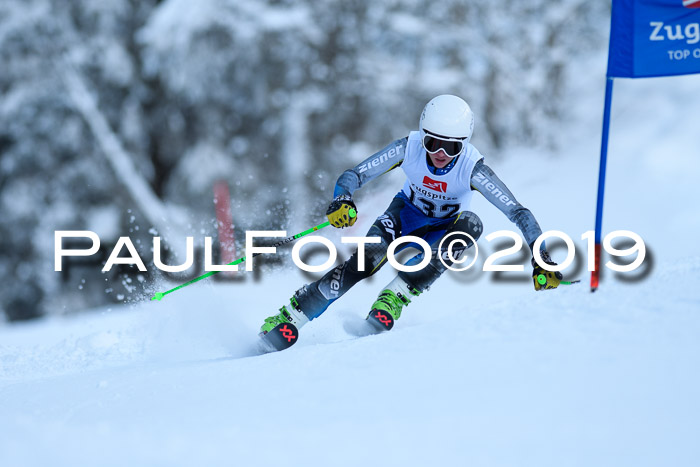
[542,280]
[159,295]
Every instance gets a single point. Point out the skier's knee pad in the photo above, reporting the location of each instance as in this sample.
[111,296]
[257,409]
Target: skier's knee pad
[469,223]
[458,237]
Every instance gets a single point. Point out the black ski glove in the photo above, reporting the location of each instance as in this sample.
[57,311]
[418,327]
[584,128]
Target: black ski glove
[338,212]
[542,278]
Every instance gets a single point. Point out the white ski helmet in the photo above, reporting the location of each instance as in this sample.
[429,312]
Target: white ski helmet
[449,117]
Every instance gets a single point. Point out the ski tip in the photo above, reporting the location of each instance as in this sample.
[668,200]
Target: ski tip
[281,336]
[381,320]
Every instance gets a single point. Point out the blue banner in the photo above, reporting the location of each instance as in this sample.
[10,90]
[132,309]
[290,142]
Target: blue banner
[654,38]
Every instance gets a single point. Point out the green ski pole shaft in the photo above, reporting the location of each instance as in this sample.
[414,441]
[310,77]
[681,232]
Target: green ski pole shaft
[159,295]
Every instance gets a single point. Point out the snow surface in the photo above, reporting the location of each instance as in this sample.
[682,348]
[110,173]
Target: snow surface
[476,372]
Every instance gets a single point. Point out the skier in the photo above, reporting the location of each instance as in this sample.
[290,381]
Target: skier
[442,170]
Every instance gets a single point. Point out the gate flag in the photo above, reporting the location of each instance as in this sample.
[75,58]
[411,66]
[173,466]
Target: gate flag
[654,38]
[648,38]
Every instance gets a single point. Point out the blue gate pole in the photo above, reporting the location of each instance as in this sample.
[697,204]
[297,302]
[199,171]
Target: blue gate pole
[595,275]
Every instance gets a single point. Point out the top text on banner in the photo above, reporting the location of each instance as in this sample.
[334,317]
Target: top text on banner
[654,38]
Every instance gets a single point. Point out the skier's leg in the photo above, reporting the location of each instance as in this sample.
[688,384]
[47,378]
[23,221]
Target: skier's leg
[466,222]
[311,300]
[314,298]
[399,292]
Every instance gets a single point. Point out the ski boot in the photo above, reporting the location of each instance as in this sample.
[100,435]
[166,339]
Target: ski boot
[281,331]
[389,304]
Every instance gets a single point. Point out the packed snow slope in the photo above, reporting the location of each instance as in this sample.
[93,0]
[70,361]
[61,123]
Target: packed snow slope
[477,372]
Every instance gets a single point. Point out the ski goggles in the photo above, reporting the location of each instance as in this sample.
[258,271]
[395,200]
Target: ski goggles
[433,143]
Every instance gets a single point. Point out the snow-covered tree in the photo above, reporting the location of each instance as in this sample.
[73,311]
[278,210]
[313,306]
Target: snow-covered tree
[120,115]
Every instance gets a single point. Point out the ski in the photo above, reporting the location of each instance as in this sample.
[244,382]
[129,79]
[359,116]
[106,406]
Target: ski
[280,337]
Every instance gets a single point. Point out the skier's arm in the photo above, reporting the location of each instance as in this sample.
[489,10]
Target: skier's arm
[485,181]
[375,165]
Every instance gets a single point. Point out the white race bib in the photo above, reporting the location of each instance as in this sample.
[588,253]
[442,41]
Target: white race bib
[438,195]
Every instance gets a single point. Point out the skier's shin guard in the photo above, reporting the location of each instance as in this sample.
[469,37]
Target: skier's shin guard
[466,222]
